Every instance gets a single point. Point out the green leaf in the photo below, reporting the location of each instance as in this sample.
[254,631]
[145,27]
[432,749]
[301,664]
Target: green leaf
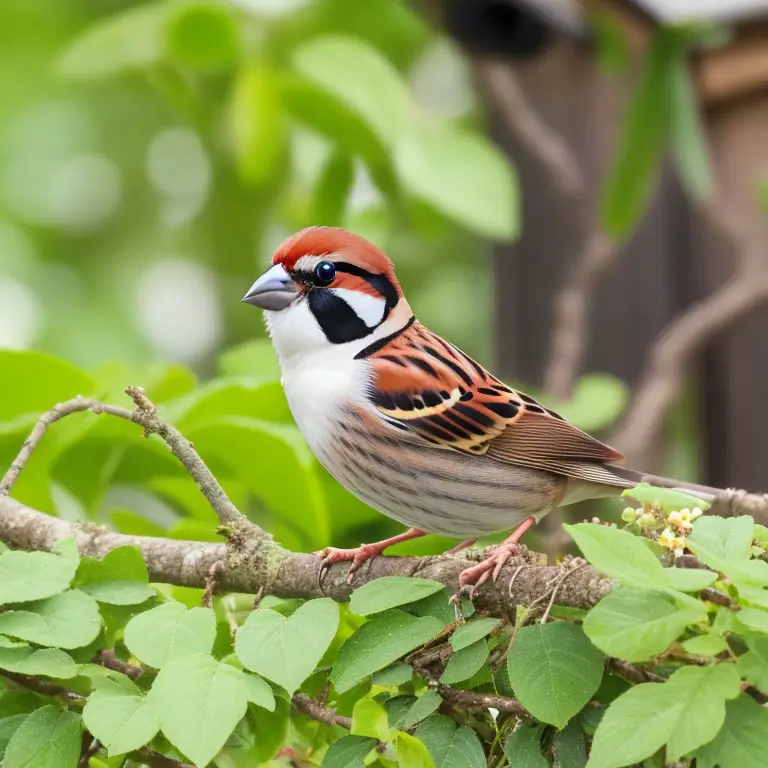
[68,620]
[637,625]
[523,747]
[689,579]
[598,400]
[440,607]
[251,358]
[121,41]
[554,670]
[333,187]
[666,498]
[270,730]
[753,665]
[257,690]
[463,175]
[48,738]
[412,753]
[740,743]
[66,548]
[465,663]
[684,713]
[26,576]
[203,36]
[723,543]
[282,452]
[369,718]
[361,78]
[449,745]
[569,748]
[395,674]
[121,564]
[378,643]
[348,752]
[120,717]
[618,554]
[119,592]
[199,701]
[33,381]
[259,132]
[636,168]
[119,578]
[472,631]
[689,145]
[424,706]
[9,726]
[389,592]
[48,662]
[287,650]
[705,645]
[169,632]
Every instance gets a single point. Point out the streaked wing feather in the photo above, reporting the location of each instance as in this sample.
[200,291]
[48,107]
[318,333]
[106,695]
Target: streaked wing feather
[429,387]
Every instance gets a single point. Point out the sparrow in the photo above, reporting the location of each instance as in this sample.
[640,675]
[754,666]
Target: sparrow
[406,421]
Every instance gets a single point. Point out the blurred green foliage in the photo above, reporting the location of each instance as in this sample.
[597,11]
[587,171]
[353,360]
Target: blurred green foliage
[153,155]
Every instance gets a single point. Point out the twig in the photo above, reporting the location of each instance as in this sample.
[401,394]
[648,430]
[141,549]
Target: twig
[212,583]
[467,699]
[478,700]
[674,350]
[144,414]
[74,700]
[153,759]
[109,659]
[572,306]
[632,673]
[672,354]
[498,81]
[303,703]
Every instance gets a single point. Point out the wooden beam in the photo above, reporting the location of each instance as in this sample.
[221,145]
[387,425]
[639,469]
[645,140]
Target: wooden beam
[738,69]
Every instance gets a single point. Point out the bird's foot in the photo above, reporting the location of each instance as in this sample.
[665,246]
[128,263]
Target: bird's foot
[359,555]
[356,556]
[472,578]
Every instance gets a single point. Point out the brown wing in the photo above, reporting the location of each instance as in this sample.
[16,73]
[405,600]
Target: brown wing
[427,386]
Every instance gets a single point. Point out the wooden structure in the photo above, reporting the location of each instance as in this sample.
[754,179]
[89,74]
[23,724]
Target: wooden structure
[673,259]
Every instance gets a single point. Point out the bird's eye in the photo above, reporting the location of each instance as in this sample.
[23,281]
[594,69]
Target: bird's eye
[325,273]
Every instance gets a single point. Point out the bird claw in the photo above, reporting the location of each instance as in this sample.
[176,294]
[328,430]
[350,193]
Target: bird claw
[356,557]
[471,579]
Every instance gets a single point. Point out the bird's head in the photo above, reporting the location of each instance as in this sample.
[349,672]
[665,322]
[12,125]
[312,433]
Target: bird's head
[327,286]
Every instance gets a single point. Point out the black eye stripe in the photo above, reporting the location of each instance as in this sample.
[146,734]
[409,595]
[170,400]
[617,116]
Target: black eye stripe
[380,283]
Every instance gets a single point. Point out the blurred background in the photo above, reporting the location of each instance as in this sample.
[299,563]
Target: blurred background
[572,193]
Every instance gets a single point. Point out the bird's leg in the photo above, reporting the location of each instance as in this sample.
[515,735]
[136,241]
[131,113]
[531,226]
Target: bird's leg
[358,555]
[491,567]
[461,545]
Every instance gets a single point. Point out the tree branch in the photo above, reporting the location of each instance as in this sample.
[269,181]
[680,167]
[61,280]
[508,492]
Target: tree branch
[304,704]
[571,308]
[497,81]
[253,564]
[674,351]
[144,414]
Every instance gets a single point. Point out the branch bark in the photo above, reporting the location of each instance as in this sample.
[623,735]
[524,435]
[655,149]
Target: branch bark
[258,563]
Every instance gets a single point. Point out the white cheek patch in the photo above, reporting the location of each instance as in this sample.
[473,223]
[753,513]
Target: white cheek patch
[370,309]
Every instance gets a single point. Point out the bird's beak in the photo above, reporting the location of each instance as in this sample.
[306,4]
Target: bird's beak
[274,290]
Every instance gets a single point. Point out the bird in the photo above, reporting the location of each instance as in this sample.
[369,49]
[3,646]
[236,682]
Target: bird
[409,423]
